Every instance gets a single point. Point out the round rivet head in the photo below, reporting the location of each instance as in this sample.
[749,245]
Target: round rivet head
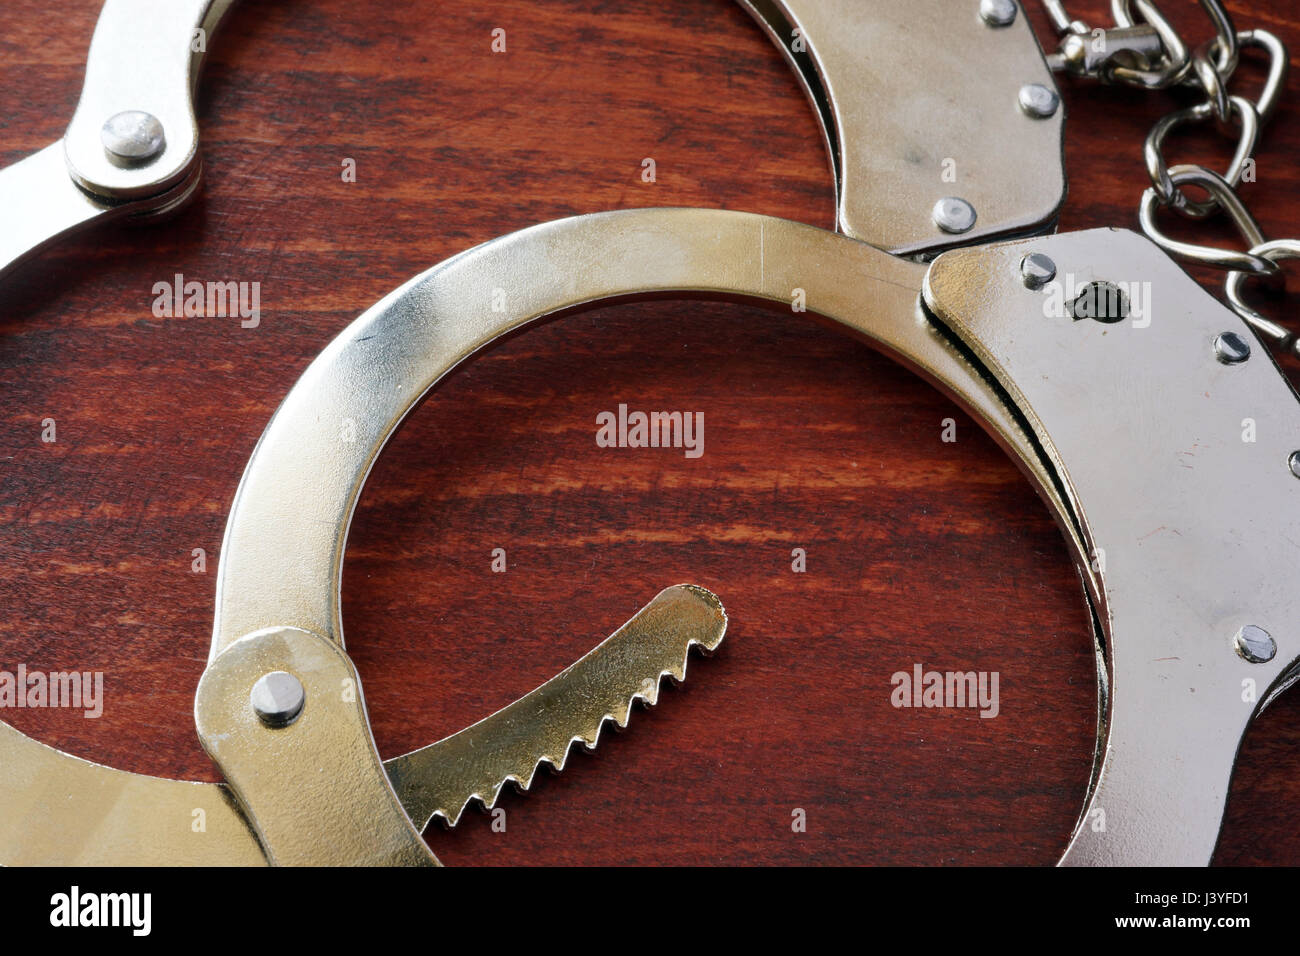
[1231,348]
[1036,270]
[1294,463]
[1255,644]
[998,13]
[278,698]
[133,136]
[1038,101]
[954,214]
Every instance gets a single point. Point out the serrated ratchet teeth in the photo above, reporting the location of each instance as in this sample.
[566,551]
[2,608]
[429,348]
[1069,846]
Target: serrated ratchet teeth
[540,728]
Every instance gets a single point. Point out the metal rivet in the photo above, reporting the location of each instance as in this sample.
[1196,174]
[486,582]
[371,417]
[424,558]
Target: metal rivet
[954,214]
[1294,463]
[1036,270]
[1230,348]
[278,698]
[1038,101]
[133,136]
[998,13]
[1255,644]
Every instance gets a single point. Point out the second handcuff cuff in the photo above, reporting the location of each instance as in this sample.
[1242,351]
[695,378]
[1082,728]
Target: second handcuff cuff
[1098,409]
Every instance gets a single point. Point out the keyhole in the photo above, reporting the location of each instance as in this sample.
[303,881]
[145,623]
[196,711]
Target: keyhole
[1103,301]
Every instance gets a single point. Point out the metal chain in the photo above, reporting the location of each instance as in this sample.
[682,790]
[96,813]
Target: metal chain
[1143,50]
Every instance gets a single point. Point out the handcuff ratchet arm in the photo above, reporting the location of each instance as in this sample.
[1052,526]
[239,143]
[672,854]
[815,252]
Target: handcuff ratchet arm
[282,555]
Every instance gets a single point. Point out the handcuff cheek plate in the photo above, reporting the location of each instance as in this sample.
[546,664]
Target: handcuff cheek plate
[917,102]
[61,810]
[1188,519]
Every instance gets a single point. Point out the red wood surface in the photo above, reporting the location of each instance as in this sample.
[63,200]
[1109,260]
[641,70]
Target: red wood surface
[918,550]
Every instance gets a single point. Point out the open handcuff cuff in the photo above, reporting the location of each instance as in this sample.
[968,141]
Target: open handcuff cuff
[1129,430]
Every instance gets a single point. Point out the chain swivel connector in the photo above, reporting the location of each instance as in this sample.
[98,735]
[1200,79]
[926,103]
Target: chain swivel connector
[1096,53]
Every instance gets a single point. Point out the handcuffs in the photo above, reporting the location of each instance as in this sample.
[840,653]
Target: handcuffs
[1128,426]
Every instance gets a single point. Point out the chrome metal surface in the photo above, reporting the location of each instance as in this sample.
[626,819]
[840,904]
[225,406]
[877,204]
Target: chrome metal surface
[281,559]
[1225,36]
[998,13]
[1273,252]
[954,214]
[572,707]
[144,158]
[1085,53]
[1038,101]
[133,136]
[280,700]
[1125,54]
[1231,348]
[131,148]
[314,791]
[1229,202]
[56,809]
[1279,66]
[282,554]
[40,204]
[59,810]
[1153,152]
[142,60]
[1255,644]
[277,698]
[1061,20]
[914,100]
[1037,270]
[1185,567]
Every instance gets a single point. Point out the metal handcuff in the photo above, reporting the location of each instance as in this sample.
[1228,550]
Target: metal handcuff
[1128,426]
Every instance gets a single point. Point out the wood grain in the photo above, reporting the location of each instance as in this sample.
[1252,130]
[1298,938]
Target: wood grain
[918,550]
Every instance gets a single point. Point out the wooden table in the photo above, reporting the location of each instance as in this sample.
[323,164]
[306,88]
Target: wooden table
[918,550]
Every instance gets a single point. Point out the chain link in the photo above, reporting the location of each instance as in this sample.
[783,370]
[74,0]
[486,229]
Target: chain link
[1143,50]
